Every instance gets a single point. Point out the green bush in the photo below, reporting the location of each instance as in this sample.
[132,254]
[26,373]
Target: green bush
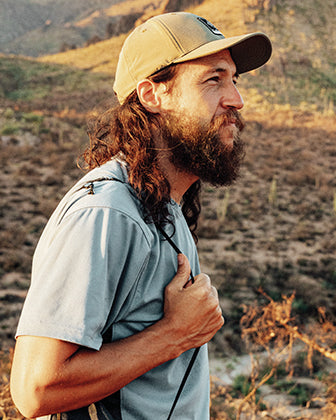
[10,128]
[301,392]
[241,385]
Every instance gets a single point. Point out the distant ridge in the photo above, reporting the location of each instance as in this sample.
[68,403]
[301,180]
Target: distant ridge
[39,27]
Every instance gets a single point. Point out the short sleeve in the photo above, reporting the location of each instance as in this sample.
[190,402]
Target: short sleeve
[78,268]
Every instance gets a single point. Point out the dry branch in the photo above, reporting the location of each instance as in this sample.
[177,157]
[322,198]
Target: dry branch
[273,324]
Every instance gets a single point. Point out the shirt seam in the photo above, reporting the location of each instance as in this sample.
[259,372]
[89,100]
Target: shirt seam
[110,208]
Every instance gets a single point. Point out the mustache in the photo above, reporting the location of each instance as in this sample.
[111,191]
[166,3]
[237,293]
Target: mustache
[230,116]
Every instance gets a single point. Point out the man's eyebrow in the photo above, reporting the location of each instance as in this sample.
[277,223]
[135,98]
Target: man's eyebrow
[222,70]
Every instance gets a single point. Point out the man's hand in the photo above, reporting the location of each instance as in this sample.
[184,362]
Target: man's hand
[192,310]
[50,375]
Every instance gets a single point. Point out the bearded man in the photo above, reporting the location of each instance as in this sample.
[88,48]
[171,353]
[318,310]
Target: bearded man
[117,301]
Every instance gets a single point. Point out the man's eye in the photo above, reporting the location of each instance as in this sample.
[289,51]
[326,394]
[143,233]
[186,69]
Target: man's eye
[213,79]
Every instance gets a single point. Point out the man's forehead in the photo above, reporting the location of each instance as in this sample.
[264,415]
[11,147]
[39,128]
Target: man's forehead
[218,61]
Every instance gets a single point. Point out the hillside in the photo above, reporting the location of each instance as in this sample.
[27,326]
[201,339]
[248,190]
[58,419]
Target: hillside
[38,27]
[274,229]
[35,27]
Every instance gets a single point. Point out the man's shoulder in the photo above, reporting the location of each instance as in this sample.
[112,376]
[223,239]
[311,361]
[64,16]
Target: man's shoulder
[104,188]
[109,193]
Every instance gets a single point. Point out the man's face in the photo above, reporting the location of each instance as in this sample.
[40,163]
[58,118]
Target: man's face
[202,123]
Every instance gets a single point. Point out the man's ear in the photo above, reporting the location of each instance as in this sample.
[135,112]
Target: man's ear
[149,95]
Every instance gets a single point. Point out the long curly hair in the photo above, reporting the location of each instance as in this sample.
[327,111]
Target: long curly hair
[127,130]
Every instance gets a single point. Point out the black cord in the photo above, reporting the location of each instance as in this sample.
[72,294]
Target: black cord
[184,380]
[90,187]
[196,351]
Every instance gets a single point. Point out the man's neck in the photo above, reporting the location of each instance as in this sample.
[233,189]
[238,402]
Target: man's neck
[179,181]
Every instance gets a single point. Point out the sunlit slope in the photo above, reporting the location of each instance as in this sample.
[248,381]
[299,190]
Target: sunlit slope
[228,16]
[123,8]
[101,57]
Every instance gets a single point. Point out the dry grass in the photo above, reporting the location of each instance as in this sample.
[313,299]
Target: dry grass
[100,57]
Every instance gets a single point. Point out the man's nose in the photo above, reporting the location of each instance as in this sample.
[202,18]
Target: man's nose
[232,98]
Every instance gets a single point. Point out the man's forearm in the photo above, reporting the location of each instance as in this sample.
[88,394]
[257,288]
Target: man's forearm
[89,375]
[85,376]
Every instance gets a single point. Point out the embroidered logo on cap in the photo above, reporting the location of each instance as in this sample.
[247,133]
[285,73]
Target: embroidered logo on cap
[210,26]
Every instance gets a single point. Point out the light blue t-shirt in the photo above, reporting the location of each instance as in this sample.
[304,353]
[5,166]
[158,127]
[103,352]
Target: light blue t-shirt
[99,265]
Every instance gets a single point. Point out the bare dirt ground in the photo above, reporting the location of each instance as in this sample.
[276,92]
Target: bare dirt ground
[275,228]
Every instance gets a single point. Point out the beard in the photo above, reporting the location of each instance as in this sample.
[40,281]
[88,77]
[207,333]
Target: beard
[213,154]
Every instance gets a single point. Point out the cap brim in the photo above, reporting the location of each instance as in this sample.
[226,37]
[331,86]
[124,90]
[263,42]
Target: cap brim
[248,51]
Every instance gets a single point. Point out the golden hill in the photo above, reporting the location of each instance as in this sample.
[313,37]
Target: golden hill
[102,56]
[99,57]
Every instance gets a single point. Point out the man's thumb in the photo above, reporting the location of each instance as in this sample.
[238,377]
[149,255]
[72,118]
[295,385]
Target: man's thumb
[183,269]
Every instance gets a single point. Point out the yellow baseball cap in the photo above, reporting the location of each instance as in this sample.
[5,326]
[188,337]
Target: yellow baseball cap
[177,37]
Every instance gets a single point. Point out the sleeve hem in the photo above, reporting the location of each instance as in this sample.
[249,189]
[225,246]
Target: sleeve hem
[72,335]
